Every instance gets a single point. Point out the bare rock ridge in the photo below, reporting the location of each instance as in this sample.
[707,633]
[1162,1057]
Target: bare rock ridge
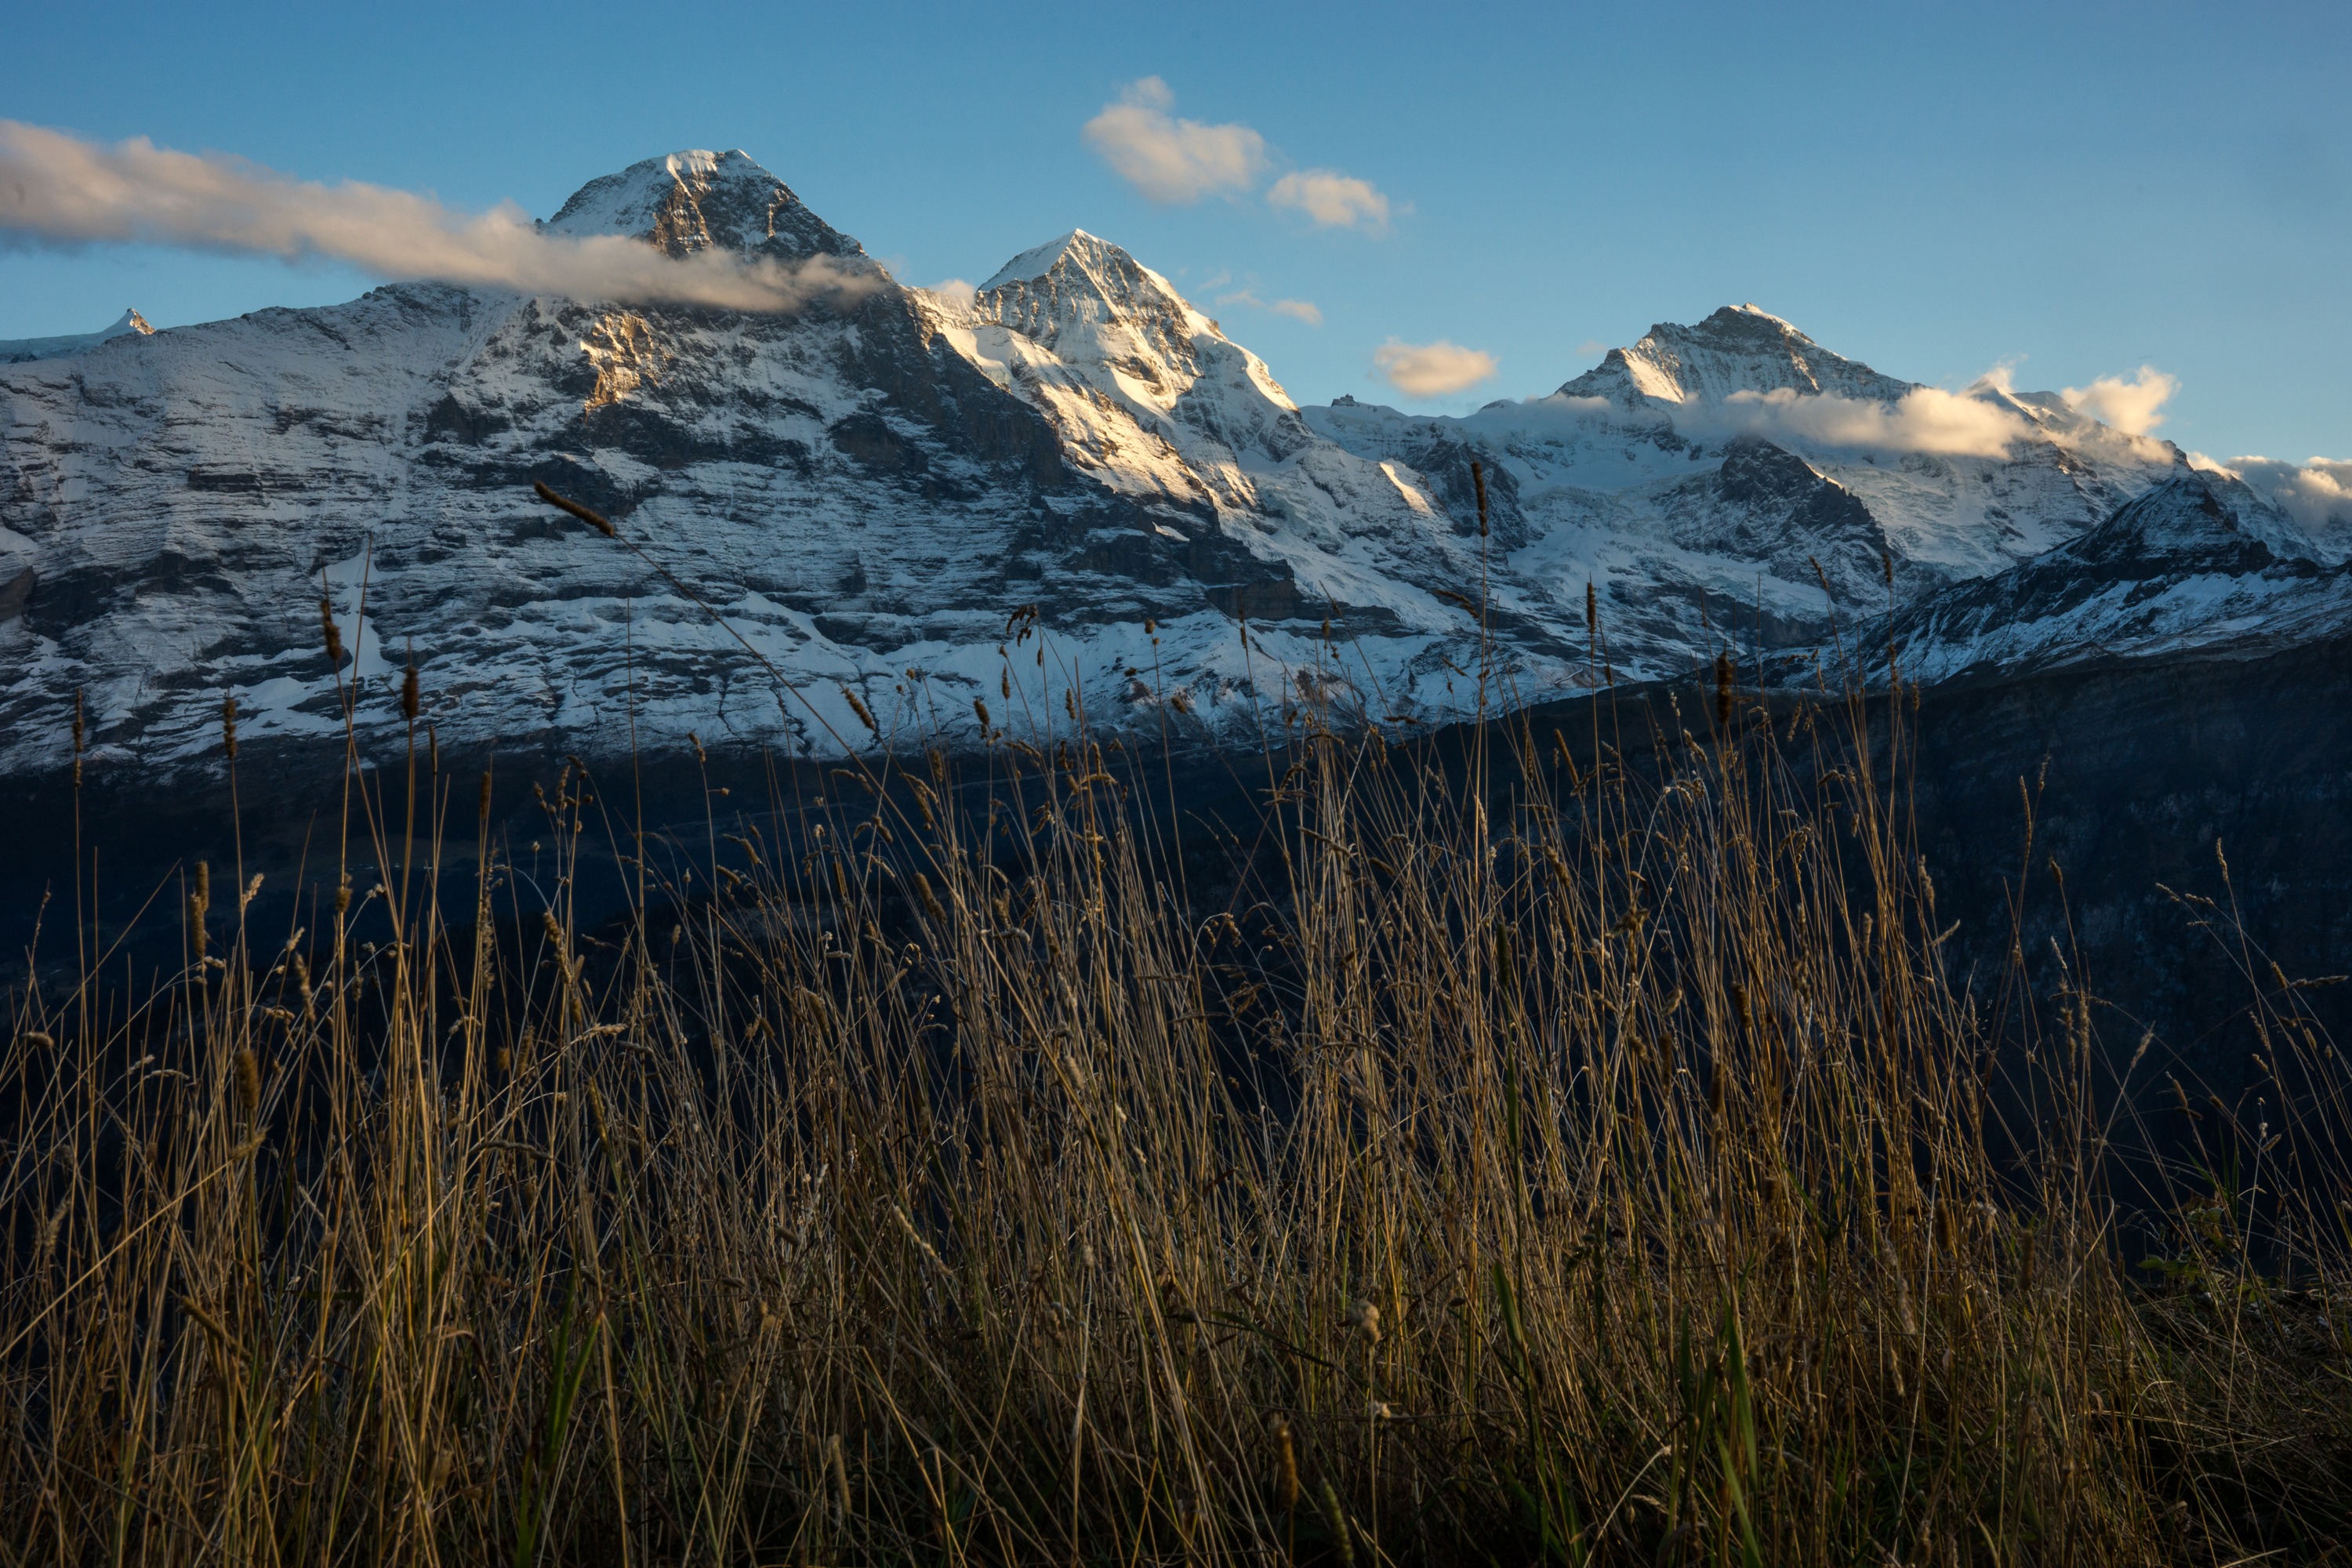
[2201,563]
[869,490]
[1737,349]
[698,201]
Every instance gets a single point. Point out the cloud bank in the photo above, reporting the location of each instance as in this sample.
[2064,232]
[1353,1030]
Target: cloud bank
[954,292]
[1924,419]
[1332,199]
[1170,160]
[60,190]
[1431,370]
[1178,161]
[2130,407]
[2317,492]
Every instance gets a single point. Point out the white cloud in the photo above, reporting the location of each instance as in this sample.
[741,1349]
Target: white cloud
[954,292]
[2130,407]
[2001,378]
[1431,370]
[1924,419]
[1297,310]
[1173,160]
[61,190]
[1332,199]
[2316,493]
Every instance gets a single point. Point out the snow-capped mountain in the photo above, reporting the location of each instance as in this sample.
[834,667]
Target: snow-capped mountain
[863,492]
[1736,478]
[2201,564]
[871,489]
[18,351]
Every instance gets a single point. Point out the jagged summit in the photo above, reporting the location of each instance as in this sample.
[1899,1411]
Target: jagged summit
[1090,303]
[697,200]
[1737,349]
[2199,518]
[2199,562]
[18,351]
[1039,260]
[1124,366]
[1081,279]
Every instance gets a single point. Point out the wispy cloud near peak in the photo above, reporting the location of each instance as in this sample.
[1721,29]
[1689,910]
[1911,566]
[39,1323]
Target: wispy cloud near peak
[2131,406]
[58,189]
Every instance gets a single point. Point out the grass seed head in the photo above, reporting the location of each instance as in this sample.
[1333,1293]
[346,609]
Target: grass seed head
[857,706]
[1337,1518]
[196,924]
[592,518]
[248,1081]
[1285,1468]
[410,700]
[329,633]
[228,725]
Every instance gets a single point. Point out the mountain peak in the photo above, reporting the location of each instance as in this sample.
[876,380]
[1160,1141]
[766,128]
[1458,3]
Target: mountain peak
[1079,255]
[2197,516]
[19,350]
[1083,284]
[1750,318]
[698,200]
[1039,261]
[1740,348]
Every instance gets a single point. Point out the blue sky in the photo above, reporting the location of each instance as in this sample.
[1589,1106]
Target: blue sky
[1936,189]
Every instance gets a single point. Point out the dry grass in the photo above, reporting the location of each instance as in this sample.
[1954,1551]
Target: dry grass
[1578,1164]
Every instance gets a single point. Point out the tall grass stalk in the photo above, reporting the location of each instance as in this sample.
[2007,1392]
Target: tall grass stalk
[1592,1164]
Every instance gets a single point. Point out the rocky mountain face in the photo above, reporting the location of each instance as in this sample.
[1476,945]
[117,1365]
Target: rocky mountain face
[2200,565]
[1733,481]
[882,496]
[865,493]
[1738,350]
